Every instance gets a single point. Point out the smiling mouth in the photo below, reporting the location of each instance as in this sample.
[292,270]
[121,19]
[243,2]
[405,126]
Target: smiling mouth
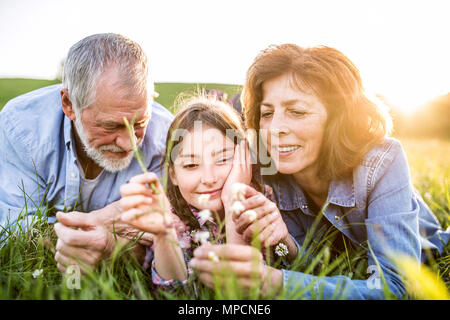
[212,192]
[286,148]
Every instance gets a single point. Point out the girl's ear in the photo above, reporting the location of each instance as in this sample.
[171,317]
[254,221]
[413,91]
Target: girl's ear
[173,177]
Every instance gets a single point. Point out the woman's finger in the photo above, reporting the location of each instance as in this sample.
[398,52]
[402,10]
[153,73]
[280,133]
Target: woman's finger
[255,212]
[258,226]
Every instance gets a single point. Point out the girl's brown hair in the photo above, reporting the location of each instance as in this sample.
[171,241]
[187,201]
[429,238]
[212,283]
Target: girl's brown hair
[212,113]
[354,123]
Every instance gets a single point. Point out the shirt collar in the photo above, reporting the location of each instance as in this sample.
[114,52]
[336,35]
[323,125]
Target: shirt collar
[291,197]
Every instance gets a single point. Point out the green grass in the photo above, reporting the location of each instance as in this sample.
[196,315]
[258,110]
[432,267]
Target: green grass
[121,277]
[11,88]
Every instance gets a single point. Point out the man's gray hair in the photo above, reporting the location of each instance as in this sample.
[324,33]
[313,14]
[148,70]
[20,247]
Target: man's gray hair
[89,57]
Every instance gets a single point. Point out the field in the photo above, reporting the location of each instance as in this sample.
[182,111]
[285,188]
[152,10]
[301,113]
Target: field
[121,277]
[10,88]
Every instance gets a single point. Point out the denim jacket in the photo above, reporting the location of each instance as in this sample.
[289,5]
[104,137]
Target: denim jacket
[377,208]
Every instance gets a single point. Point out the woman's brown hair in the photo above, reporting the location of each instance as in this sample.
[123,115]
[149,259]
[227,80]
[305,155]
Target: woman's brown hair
[354,124]
[212,113]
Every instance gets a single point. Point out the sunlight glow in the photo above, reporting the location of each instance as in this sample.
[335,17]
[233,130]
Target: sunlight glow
[216,41]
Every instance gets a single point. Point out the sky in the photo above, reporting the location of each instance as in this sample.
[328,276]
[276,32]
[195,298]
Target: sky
[401,48]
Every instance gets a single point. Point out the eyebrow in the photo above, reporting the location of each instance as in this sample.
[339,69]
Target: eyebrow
[287,103]
[120,123]
[214,153]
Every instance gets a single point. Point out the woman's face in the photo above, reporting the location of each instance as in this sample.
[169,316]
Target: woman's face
[204,161]
[292,126]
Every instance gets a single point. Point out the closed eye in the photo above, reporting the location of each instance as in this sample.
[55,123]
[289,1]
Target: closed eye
[298,113]
[190,166]
[266,114]
[224,160]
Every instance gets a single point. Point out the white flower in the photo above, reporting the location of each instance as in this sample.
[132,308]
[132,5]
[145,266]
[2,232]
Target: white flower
[428,196]
[205,215]
[213,256]
[251,215]
[200,236]
[203,199]
[238,191]
[237,207]
[281,250]
[37,273]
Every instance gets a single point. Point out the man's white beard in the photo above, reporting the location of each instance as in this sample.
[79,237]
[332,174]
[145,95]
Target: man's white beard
[96,154]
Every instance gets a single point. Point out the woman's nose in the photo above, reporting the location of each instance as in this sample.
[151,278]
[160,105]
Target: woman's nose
[278,125]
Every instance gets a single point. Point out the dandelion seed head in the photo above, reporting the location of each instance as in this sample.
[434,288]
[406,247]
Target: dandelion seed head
[213,256]
[238,191]
[281,250]
[205,215]
[237,207]
[251,215]
[200,236]
[37,273]
[203,199]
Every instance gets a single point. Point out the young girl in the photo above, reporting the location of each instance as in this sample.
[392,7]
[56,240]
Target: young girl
[206,154]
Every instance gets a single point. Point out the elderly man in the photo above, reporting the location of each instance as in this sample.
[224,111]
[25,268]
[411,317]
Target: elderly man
[67,148]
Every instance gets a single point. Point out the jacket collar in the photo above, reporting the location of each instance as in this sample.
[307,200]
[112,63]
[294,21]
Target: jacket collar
[290,195]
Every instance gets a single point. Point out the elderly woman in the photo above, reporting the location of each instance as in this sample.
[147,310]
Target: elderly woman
[337,169]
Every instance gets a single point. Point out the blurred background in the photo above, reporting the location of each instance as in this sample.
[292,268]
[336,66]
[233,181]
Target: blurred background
[400,47]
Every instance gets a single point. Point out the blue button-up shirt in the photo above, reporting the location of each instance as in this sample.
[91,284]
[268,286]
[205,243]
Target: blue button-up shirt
[376,207]
[38,161]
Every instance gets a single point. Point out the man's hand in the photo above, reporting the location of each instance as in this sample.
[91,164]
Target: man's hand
[83,245]
[87,238]
[110,218]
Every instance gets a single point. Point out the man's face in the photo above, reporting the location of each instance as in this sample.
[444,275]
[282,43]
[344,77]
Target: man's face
[101,128]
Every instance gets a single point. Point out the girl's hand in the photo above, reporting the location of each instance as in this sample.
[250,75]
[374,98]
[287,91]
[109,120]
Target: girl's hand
[144,209]
[240,172]
[215,263]
[260,217]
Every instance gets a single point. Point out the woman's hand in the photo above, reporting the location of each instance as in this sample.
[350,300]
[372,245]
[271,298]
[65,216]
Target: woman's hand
[259,217]
[245,263]
[144,209]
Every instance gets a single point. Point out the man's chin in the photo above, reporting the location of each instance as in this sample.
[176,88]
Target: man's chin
[115,165]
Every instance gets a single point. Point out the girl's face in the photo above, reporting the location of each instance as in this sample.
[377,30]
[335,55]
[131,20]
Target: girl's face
[292,126]
[204,161]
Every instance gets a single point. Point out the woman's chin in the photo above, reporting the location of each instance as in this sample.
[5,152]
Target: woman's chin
[288,168]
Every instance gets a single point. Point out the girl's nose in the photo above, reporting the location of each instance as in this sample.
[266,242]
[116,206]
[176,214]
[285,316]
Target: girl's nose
[208,176]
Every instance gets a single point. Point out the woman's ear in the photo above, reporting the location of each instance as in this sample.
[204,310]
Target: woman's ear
[173,177]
